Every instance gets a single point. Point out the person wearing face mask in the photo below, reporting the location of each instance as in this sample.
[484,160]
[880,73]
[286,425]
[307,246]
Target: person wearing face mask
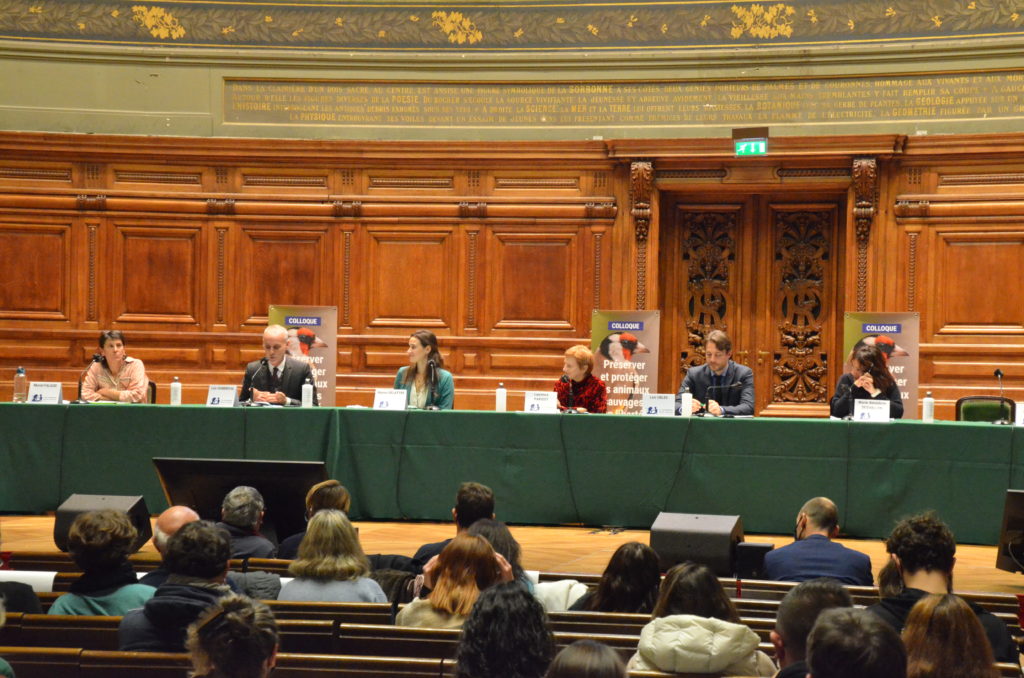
[427,383]
[116,377]
[719,386]
[868,379]
[579,389]
[814,554]
[277,378]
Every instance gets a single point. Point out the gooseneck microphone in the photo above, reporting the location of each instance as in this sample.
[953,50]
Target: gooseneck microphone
[848,397]
[572,392]
[1001,420]
[719,387]
[96,358]
[252,381]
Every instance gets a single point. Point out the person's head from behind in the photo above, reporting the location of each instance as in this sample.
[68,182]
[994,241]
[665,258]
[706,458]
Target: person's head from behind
[817,516]
[329,494]
[587,659]
[943,631]
[505,635]
[922,543]
[169,522]
[630,581]
[501,540]
[243,508]
[199,550]
[235,638]
[690,588]
[473,501]
[330,549]
[797,613]
[463,569]
[101,540]
[853,643]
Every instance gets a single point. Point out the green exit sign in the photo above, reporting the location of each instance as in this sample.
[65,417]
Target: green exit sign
[751,146]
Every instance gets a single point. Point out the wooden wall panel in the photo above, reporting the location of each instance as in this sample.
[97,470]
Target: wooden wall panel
[533,281]
[36,271]
[157,274]
[411,275]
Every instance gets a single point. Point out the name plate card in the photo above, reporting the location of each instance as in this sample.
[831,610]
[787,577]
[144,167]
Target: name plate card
[45,393]
[541,401]
[389,399]
[870,410]
[658,405]
[221,396]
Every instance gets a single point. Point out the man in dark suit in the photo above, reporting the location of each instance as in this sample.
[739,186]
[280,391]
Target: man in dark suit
[814,554]
[719,386]
[277,378]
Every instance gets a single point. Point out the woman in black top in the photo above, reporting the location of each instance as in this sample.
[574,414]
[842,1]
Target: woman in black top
[869,379]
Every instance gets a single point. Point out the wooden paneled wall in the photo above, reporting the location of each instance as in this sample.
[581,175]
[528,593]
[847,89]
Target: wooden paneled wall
[502,249]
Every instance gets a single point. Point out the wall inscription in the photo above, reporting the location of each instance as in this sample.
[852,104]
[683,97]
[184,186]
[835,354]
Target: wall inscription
[823,101]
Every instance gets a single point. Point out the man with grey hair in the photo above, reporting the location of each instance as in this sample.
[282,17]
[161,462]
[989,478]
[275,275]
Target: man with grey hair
[814,554]
[276,378]
[241,514]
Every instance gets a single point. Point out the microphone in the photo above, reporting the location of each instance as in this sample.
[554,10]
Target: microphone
[847,395]
[999,375]
[96,358]
[572,392]
[720,387]
[252,380]
[432,379]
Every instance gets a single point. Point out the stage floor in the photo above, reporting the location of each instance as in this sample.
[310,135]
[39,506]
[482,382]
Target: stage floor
[554,549]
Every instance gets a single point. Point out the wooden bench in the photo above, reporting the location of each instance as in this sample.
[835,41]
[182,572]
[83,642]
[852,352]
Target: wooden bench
[42,662]
[351,613]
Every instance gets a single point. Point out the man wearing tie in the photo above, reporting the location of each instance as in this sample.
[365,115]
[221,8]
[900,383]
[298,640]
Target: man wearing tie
[719,386]
[276,378]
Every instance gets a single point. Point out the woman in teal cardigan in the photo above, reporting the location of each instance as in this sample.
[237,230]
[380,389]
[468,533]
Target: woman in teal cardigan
[425,381]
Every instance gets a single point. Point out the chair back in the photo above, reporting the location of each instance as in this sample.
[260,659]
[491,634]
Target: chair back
[985,408]
[152,392]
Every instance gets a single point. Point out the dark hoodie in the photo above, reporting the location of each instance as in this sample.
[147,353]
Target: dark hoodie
[894,611]
[161,624]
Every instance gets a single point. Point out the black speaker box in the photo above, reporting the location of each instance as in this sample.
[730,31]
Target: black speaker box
[135,507]
[750,559]
[701,538]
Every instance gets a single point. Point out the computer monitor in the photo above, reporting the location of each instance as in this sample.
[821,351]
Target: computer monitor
[202,484]
[1010,556]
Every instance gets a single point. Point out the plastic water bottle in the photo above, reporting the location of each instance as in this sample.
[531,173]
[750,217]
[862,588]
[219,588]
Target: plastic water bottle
[686,406]
[500,398]
[20,386]
[307,393]
[176,392]
[928,408]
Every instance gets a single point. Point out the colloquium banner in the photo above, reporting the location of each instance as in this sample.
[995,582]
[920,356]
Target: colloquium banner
[312,337]
[625,345]
[897,335]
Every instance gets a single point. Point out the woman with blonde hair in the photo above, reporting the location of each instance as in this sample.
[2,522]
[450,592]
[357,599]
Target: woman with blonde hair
[235,638]
[467,566]
[579,390]
[331,566]
[328,494]
[944,639]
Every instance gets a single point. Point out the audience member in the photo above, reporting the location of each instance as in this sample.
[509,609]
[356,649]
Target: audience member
[329,494]
[814,554]
[331,566]
[502,541]
[587,659]
[923,550]
[696,629]
[241,514]
[472,502]
[797,613]
[235,638]
[197,559]
[100,543]
[853,643]
[467,566]
[5,669]
[629,583]
[167,524]
[505,635]
[944,639]
[20,597]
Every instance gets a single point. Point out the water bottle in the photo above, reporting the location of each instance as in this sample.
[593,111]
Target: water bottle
[307,393]
[686,406]
[500,398]
[176,392]
[928,408]
[20,386]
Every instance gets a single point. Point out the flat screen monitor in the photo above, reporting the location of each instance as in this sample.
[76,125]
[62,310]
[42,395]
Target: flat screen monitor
[202,484]
[1010,556]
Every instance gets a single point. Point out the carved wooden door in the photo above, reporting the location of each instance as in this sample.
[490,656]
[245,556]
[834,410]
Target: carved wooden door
[764,268]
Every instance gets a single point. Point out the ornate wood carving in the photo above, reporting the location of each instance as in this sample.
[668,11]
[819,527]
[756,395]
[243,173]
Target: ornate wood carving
[600,210]
[472,210]
[221,174]
[346,291]
[90,305]
[641,174]
[411,182]
[289,181]
[222,233]
[598,237]
[979,179]
[93,171]
[473,177]
[802,249]
[913,176]
[348,208]
[537,182]
[35,174]
[471,238]
[865,189]
[91,203]
[122,176]
[600,181]
[709,253]
[220,207]
[813,172]
[348,179]
[912,208]
[912,271]
[694,174]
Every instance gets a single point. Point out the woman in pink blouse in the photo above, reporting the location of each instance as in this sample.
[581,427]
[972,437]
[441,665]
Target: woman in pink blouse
[116,377]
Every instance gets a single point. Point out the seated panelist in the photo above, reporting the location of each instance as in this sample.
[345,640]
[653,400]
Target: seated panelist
[868,379]
[277,378]
[719,386]
[427,383]
[116,377]
[579,389]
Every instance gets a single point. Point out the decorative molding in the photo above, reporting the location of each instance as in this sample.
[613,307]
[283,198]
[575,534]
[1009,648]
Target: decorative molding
[221,174]
[641,175]
[813,172]
[598,237]
[36,174]
[600,210]
[979,179]
[913,176]
[912,272]
[865,190]
[93,171]
[718,173]
[471,280]
[600,181]
[90,312]
[288,181]
[537,182]
[473,177]
[709,253]
[912,208]
[222,232]
[346,208]
[157,177]
[215,206]
[348,178]
[411,182]
[346,292]
[472,210]
[92,203]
